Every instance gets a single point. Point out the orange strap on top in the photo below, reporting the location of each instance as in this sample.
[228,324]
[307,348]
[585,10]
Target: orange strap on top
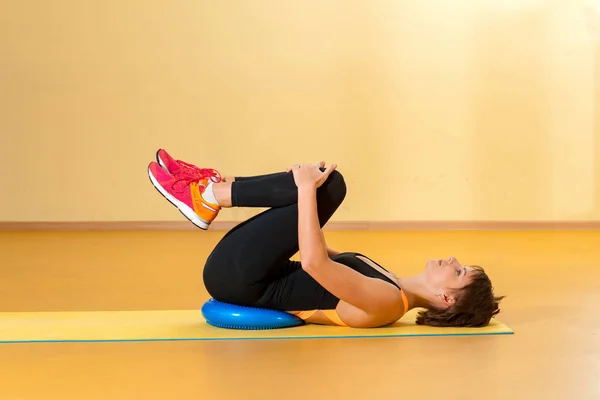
[334,317]
[404,301]
[331,314]
[306,314]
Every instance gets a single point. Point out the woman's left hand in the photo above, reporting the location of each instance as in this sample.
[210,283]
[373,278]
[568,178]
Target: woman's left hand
[310,175]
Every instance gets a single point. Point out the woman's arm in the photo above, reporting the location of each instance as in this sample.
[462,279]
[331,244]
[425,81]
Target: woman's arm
[313,249]
[368,294]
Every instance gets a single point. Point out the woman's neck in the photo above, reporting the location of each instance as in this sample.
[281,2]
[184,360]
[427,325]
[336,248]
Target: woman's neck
[416,291]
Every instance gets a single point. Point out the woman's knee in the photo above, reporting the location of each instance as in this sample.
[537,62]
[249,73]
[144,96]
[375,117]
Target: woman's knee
[335,187]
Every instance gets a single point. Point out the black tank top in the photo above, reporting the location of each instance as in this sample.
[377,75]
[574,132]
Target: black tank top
[350,259]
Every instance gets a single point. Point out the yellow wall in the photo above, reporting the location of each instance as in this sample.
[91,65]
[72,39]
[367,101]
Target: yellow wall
[434,110]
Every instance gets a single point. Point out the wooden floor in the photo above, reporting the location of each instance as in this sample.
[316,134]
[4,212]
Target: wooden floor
[551,279]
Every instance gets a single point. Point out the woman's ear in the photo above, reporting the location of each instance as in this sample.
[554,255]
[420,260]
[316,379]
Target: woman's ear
[445,299]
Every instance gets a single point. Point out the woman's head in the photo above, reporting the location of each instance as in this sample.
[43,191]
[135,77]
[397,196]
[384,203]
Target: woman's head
[461,295]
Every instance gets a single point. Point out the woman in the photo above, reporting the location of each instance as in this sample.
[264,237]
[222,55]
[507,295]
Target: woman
[251,265]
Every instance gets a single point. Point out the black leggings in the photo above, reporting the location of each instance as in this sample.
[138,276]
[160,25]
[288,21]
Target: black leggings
[251,265]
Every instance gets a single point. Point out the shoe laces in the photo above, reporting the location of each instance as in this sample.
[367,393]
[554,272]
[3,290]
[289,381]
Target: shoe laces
[190,173]
[193,171]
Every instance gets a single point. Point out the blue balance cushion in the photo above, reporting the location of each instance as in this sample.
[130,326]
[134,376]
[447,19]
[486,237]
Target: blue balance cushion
[224,315]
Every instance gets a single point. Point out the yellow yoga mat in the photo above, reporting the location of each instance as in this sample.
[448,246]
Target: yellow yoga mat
[122,326]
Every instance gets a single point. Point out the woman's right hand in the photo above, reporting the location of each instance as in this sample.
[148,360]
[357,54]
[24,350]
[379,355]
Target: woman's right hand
[310,175]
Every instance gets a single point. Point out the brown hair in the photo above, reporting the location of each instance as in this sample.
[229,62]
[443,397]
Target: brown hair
[475,305]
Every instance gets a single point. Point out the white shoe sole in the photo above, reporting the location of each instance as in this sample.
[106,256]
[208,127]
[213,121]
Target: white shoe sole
[183,208]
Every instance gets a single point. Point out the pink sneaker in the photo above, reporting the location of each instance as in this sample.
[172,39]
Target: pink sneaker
[178,167]
[185,193]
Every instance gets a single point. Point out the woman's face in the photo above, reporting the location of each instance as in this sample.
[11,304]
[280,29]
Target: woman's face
[447,276]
